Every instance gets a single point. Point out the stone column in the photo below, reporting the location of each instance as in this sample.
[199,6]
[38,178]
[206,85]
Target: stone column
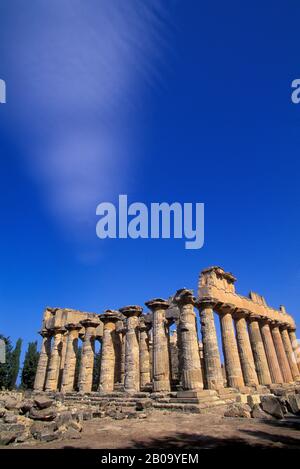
[295,344]
[160,357]
[191,368]
[62,360]
[244,348]
[281,355]
[213,371]
[123,354]
[144,353]
[40,377]
[85,380]
[55,359]
[258,349]
[132,359]
[289,352]
[108,353]
[70,359]
[233,368]
[272,359]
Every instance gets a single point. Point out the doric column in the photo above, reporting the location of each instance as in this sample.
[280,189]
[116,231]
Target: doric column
[295,344]
[289,352]
[132,359]
[40,377]
[144,353]
[62,360]
[70,358]
[85,380]
[272,359]
[213,371]
[108,352]
[191,368]
[258,349]
[281,355]
[55,359]
[244,348]
[160,357]
[233,368]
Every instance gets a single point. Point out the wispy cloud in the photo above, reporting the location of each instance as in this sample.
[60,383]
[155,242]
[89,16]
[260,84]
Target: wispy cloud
[80,68]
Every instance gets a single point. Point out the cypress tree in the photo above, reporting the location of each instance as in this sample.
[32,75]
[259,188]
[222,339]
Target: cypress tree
[15,364]
[30,366]
[5,368]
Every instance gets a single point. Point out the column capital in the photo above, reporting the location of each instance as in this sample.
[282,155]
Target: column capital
[254,317]
[72,326]
[143,325]
[203,303]
[89,322]
[266,320]
[241,313]
[131,310]
[110,315]
[283,325]
[58,330]
[45,332]
[157,303]
[226,308]
[184,297]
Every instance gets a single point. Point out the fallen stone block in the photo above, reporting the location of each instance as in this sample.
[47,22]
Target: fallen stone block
[43,414]
[293,401]
[238,410]
[11,403]
[25,406]
[258,413]
[271,405]
[143,404]
[253,399]
[7,437]
[43,402]
[71,434]
[10,418]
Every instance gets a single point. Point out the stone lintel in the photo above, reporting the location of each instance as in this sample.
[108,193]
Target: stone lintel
[218,270]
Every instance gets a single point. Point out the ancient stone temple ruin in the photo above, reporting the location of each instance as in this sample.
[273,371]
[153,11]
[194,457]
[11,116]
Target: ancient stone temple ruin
[172,347]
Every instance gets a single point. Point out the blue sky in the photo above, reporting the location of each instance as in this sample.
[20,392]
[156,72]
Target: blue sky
[163,101]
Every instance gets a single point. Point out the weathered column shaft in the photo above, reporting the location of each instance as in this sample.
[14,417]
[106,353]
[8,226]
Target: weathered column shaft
[191,368]
[54,363]
[211,354]
[85,380]
[272,359]
[245,351]
[70,359]
[160,357]
[296,346]
[281,355]
[108,357]
[233,368]
[45,353]
[144,356]
[132,359]
[259,354]
[123,353]
[290,353]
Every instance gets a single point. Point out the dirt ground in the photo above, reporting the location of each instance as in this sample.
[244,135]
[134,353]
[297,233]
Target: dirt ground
[178,430]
